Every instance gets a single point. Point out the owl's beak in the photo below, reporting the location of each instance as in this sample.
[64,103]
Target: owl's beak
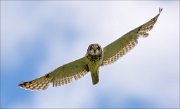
[94,51]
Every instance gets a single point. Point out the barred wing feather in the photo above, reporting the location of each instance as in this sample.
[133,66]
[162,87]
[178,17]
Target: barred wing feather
[60,76]
[121,46]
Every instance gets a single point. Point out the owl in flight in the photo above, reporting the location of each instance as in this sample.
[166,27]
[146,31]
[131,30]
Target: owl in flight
[93,60]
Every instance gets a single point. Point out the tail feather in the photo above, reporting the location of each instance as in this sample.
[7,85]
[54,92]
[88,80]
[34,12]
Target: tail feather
[95,77]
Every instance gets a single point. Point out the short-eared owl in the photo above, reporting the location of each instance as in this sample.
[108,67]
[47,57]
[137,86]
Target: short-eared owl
[93,60]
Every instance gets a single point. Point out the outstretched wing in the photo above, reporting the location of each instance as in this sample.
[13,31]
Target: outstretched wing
[121,46]
[60,76]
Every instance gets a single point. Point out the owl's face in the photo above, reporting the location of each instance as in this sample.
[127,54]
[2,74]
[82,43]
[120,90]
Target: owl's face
[94,50]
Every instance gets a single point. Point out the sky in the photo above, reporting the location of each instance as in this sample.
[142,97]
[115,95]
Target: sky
[39,36]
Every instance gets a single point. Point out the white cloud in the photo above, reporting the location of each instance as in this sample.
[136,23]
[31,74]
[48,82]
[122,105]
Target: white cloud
[149,71]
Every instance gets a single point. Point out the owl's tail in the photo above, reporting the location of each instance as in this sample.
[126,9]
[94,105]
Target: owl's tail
[41,83]
[95,77]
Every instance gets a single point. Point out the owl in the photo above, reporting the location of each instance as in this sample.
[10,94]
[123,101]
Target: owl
[95,57]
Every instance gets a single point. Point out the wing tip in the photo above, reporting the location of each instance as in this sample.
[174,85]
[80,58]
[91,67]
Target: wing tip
[27,86]
[160,10]
[23,85]
[20,85]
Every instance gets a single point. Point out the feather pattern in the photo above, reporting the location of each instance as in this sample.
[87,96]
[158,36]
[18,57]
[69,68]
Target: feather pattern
[60,76]
[121,46]
[41,83]
[59,81]
[120,52]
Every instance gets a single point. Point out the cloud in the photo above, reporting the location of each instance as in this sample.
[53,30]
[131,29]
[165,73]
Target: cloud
[145,77]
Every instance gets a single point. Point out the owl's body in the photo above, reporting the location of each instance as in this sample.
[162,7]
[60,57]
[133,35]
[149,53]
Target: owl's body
[93,60]
[94,69]
[94,56]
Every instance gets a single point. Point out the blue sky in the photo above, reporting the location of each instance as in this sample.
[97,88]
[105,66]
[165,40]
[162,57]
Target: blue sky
[38,36]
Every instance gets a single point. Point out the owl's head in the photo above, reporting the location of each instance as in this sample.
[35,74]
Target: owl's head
[94,50]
